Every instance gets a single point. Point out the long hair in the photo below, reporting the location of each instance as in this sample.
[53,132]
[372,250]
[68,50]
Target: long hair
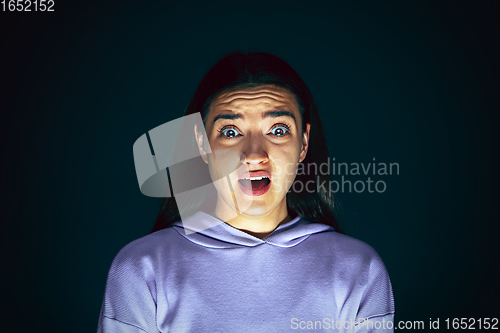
[254,69]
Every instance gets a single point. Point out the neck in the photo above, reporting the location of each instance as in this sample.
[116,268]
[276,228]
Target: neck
[256,225]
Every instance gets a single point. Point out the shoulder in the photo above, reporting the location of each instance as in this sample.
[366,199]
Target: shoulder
[145,250]
[347,251]
[344,245]
[131,292]
[358,261]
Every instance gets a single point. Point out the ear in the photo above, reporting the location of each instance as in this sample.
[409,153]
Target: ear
[199,142]
[305,143]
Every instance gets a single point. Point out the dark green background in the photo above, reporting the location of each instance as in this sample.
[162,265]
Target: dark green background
[411,82]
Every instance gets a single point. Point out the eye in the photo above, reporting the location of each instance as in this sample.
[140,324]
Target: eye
[280,130]
[228,132]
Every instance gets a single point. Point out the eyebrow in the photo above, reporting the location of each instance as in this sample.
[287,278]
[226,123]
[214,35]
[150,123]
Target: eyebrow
[268,114]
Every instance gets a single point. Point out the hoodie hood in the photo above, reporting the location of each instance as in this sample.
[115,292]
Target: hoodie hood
[204,229]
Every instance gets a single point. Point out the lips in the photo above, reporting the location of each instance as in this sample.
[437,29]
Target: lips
[255,182]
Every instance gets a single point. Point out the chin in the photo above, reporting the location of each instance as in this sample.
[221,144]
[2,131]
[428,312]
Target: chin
[256,210]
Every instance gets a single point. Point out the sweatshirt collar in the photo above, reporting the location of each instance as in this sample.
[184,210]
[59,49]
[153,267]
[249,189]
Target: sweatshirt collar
[204,229]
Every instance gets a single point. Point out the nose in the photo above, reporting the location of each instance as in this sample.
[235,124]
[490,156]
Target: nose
[255,153]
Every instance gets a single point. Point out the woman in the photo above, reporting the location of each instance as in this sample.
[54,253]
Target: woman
[267,254]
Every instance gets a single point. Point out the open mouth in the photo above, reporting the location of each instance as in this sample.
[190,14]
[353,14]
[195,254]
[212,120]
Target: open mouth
[254,183]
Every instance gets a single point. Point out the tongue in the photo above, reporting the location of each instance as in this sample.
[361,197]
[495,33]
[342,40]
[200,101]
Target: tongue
[254,184]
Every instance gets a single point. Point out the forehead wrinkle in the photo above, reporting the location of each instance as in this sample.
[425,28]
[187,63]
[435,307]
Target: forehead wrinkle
[253,93]
[242,106]
[266,99]
[271,91]
[255,90]
[269,101]
[261,99]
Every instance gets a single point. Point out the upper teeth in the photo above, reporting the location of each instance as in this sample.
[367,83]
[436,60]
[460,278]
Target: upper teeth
[256,178]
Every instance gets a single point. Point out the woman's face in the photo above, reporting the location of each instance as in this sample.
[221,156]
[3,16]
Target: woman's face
[263,125]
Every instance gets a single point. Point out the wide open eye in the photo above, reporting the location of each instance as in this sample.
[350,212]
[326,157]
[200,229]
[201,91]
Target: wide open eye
[229,132]
[280,130]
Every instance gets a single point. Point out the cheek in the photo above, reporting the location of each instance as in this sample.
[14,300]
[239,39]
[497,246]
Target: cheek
[217,173]
[211,168]
[285,164]
[288,154]
[224,163]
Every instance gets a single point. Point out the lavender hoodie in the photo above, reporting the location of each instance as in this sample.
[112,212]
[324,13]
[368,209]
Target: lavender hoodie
[302,277]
